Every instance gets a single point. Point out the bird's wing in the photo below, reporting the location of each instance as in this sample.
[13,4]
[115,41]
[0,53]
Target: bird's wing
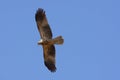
[42,24]
[49,57]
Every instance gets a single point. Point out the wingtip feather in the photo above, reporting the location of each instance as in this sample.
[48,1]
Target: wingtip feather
[50,66]
[40,13]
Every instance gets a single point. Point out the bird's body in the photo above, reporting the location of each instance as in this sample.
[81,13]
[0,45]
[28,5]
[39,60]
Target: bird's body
[47,41]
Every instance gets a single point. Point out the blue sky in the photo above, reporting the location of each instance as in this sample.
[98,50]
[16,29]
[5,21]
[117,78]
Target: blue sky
[91,29]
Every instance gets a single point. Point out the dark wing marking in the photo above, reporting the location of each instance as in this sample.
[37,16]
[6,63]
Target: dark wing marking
[49,57]
[42,24]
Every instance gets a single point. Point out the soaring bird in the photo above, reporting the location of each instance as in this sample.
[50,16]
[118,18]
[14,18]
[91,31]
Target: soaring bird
[46,40]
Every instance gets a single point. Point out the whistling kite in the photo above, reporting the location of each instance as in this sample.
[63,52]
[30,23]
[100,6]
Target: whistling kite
[47,41]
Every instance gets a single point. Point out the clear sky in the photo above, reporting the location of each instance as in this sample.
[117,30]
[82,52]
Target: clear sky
[91,29]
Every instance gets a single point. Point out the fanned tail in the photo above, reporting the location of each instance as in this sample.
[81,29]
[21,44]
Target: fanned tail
[58,40]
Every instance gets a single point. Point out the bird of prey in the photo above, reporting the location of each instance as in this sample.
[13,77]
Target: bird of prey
[47,41]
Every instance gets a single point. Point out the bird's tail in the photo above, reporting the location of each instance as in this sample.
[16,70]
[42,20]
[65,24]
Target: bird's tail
[58,40]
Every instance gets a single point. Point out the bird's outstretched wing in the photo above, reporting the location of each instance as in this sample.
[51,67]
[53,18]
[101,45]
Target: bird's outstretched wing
[42,24]
[46,34]
[49,57]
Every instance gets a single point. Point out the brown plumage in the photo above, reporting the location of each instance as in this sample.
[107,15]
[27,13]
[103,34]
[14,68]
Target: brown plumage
[46,39]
